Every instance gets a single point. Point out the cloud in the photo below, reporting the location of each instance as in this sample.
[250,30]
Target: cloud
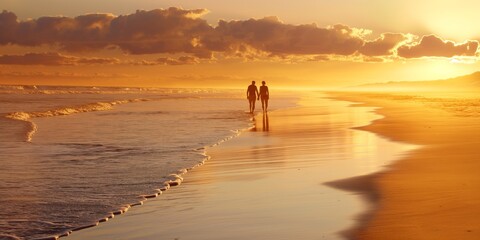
[159,31]
[57,59]
[433,46]
[183,32]
[8,27]
[83,32]
[384,45]
[170,30]
[63,75]
[177,30]
[52,59]
[271,35]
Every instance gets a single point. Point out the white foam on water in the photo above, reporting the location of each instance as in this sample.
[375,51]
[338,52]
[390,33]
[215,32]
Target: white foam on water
[94,156]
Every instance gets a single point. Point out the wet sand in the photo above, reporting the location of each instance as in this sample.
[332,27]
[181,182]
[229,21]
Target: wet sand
[269,183]
[434,193]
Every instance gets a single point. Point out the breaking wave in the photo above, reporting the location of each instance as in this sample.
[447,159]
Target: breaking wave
[91,107]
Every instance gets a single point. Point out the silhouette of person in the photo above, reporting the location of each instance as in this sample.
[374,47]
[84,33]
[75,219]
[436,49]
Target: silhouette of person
[252,93]
[264,95]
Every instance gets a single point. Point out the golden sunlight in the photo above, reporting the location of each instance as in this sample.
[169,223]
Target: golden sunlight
[279,119]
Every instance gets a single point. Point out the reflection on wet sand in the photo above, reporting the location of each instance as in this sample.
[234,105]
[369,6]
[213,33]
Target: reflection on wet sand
[268,186]
[265,122]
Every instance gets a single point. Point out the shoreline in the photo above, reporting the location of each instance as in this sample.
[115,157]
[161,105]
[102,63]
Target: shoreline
[432,192]
[113,205]
[268,182]
[171,181]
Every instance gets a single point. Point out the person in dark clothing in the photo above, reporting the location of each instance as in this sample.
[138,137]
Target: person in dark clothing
[252,93]
[264,95]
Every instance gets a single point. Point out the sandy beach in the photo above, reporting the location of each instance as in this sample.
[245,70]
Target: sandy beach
[275,185]
[269,183]
[434,192]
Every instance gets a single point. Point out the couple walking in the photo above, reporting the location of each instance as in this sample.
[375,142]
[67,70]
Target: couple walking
[253,94]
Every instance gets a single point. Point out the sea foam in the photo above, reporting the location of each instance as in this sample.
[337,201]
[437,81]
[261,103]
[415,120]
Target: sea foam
[91,107]
[85,169]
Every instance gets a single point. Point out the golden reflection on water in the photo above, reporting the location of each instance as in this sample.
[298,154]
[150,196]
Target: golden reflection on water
[275,179]
[268,184]
[265,123]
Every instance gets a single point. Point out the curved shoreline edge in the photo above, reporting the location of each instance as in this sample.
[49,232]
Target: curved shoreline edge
[432,192]
[364,185]
[172,180]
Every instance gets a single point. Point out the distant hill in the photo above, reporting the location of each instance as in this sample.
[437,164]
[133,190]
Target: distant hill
[464,83]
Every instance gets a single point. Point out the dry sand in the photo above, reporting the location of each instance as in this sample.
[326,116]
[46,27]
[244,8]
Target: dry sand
[435,192]
[268,183]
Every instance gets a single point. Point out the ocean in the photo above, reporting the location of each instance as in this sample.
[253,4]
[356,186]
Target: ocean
[73,156]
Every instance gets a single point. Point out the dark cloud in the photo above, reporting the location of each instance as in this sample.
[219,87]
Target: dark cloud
[384,45]
[57,59]
[180,31]
[8,27]
[159,31]
[272,36]
[176,30]
[63,75]
[171,30]
[433,46]
[75,34]
[52,59]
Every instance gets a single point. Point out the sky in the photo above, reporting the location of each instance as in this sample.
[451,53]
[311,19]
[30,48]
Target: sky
[209,43]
